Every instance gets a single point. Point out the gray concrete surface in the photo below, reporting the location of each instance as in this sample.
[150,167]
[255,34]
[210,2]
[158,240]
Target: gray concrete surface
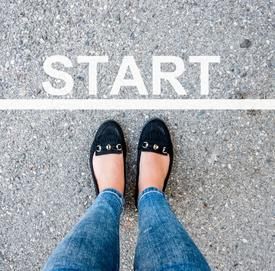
[222,181]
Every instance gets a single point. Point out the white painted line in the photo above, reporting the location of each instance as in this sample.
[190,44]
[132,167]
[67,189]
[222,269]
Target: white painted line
[137,104]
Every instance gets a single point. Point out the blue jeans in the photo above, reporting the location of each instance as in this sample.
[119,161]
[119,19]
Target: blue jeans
[93,244]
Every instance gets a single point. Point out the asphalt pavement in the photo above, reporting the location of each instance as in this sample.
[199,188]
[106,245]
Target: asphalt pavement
[223,176]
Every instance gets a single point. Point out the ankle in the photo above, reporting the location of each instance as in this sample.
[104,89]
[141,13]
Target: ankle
[147,185]
[153,170]
[109,172]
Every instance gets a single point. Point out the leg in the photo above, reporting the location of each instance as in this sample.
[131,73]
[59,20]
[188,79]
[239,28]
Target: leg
[93,244]
[163,243]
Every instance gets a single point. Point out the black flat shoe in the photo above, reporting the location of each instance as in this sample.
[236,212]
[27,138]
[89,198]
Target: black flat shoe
[109,139]
[155,137]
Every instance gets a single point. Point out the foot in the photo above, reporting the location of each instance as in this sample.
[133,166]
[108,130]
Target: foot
[107,157]
[155,156]
[109,171]
[153,170]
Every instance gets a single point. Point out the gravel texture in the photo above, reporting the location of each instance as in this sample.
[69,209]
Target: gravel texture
[222,180]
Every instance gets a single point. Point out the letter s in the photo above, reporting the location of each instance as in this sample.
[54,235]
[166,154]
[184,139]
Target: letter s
[49,70]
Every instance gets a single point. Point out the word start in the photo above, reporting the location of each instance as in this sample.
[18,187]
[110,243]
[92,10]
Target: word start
[128,64]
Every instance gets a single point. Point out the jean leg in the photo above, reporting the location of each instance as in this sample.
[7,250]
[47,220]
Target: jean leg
[163,243]
[93,244]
